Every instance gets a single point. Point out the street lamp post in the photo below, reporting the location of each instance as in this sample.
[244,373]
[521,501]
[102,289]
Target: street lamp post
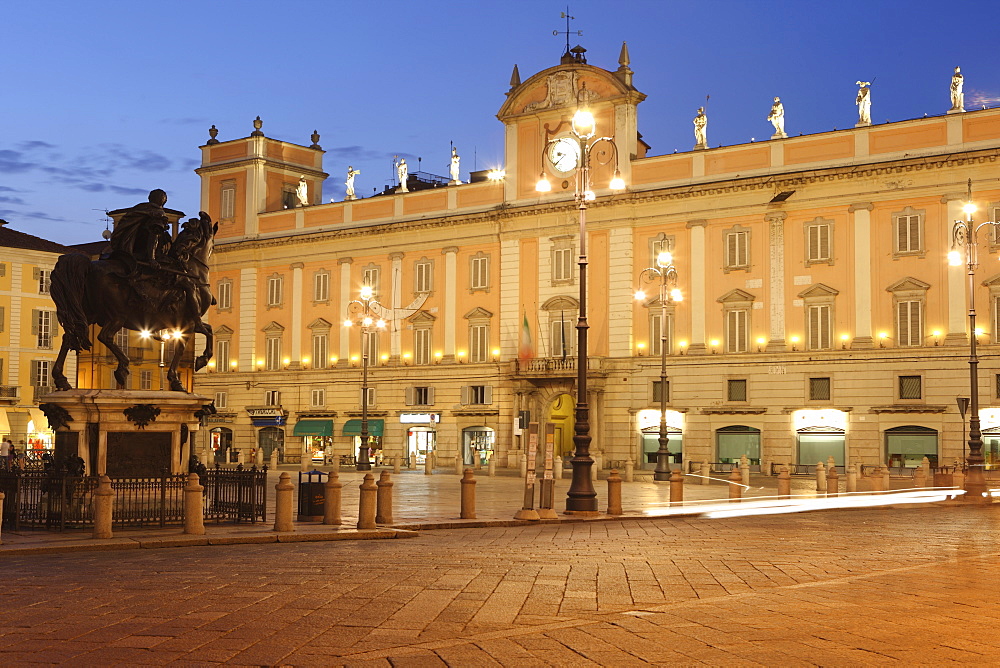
[964,236]
[365,309]
[665,273]
[574,152]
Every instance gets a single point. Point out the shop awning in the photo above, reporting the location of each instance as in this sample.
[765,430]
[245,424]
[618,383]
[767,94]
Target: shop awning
[353,427]
[313,428]
[4,423]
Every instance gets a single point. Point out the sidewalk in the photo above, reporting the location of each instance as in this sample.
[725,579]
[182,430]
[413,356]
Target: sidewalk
[420,503]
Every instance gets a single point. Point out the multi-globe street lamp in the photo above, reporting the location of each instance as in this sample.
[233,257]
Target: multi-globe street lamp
[365,311]
[666,275]
[571,152]
[964,250]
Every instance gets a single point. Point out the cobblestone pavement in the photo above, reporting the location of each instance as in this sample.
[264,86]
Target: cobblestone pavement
[859,587]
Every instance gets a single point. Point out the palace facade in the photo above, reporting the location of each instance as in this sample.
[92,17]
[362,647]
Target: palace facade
[820,315]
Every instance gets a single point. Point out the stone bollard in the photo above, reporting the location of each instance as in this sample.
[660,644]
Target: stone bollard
[468,495]
[614,493]
[383,500]
[745,470]
[428,464]
[925,464]
[676,487]
[832,481]
[366,505]
[852,479]
[705,471]
[735,486]
[491,467]
[104,498]
[820,478]
[629,471]
[765,469]
[274,459]
[258,458]
[830,462]
[239,456]
[919,477]
[784,482]
[411,464]
[886,485]
[283,503]
[557,467]
[459,464]
[395,464]
[304,462]
[331,498]
[194,507]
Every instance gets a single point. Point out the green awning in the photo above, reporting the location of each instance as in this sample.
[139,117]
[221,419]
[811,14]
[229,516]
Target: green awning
[313,428]
[353,427]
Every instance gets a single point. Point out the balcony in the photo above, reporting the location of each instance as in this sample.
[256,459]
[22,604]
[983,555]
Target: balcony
[40,391]
[553,367]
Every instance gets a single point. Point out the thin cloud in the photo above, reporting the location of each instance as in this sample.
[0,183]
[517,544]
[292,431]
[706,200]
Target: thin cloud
[11,200]
[127,191]
[34,145]
[11,162]
[979,98]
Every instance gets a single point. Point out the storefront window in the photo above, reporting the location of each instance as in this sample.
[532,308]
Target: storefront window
[815,447]
[420,443]
[478,445]
[907,446]
[736,441]
[651,445]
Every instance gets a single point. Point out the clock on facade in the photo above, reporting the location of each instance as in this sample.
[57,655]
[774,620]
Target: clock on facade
[564,155]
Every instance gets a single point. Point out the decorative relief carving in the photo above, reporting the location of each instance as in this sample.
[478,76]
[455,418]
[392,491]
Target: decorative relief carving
[142,414]
[561,91]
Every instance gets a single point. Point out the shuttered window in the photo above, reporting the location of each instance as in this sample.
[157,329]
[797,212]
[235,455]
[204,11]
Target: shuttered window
[909,323]
[656,333]
[737,250]
[222,355]
[225,294]
[479,343]
[422,345]
[908,229]
[320,354]
[275,289]
[737,331]
[480,268]
[272,353]
[227,208]
[423,271]
[321,287]
[820,327]
[562,264]
[818,242]
[317,398]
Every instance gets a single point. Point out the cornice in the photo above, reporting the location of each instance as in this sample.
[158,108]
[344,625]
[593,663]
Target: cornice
[247,162]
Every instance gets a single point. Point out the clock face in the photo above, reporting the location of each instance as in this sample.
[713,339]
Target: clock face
[564,154]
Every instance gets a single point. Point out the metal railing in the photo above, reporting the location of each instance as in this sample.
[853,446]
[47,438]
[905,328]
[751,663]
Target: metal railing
[8,391]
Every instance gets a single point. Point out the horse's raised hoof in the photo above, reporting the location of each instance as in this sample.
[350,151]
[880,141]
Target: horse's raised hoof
[200,362]
[62,384]
[121,376]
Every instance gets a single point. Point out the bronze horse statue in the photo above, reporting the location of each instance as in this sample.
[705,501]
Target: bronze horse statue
[172,297]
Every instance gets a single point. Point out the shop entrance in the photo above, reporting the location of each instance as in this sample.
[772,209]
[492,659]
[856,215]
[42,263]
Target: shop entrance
[222,441]
[651,445]
[734,442]
[907,446]
[561,412]
[817,446]
[477,445]
[270,439]
[420,442]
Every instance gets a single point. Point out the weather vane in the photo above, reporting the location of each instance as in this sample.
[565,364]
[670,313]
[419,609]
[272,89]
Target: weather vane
[567,32]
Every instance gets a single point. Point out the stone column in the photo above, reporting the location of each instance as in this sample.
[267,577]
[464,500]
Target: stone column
[776,293]
[450,301]
[296,304]
[344,359]
[699,264]
[958,306]
[861,215]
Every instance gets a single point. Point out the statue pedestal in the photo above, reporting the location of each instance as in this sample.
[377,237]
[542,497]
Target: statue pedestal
[779,135]
[125,433]
[957,110]
[454,182]
[862,124]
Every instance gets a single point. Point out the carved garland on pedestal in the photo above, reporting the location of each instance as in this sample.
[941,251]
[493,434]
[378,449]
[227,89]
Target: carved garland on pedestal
[57,416]
[141,414]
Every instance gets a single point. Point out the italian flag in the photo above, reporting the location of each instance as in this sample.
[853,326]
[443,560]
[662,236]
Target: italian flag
[527,349]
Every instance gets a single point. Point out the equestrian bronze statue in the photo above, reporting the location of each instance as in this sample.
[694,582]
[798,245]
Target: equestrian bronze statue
[146,282]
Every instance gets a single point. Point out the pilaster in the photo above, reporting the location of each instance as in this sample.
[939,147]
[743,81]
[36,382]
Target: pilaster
[861,223]
[450,300]
[776,295]
[345,297]
[296,333]
[699,262]
[957,276]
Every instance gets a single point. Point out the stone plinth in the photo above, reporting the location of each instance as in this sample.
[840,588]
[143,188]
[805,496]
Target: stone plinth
[124,433]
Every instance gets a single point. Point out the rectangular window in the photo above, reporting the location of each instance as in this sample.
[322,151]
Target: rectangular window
[371,342]
[222,355]
[477,394]
[275,288]
[819,389]
[146,380]
[480,272]
[41,327]
[40,370]
[422,346]
[3,319]
[908,233]
[737,331]
[818,242]
[737,250]
[272,397]
[289,199]
[563,338]
[479,343]
[909,325]
[320,354]
[910,387]
[656,391]
[272,353]
[562,264]
[656,333]
[419,396]
[221,400]
[371,396]
[44,281]
[317,398]
[371,278]
[820,327]
[422,280]
[321,287]
[227,208]
[225,294]
[121,340]
[736,389]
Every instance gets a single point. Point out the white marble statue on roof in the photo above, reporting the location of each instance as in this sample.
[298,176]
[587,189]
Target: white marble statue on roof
[864,102]
[455,168]
[402,173]
[777,118]
[957,95]
[351,173]
[302,192]
[701,129]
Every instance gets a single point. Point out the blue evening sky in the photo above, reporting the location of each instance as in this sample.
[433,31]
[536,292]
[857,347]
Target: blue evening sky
[104,100]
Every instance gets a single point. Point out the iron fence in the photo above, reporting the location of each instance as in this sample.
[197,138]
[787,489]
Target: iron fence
[55,500]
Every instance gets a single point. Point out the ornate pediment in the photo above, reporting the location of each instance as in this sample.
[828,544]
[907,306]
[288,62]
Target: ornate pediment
[320,323]
[736,295]
[273,328]
[561,303]
[422,317]
[478,313]
[223,332]
[818,290]
[909,284]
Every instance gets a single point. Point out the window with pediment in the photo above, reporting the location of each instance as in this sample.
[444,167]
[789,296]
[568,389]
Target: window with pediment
[818,302]
[479,334]
[736,308]
[909,295]
[562,314]
[320,340]
[423,328]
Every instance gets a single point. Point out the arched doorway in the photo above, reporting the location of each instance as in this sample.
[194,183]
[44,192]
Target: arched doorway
[908,445]
[477,445]
[270,439]
[736,441]
[560,414]
[222,441]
